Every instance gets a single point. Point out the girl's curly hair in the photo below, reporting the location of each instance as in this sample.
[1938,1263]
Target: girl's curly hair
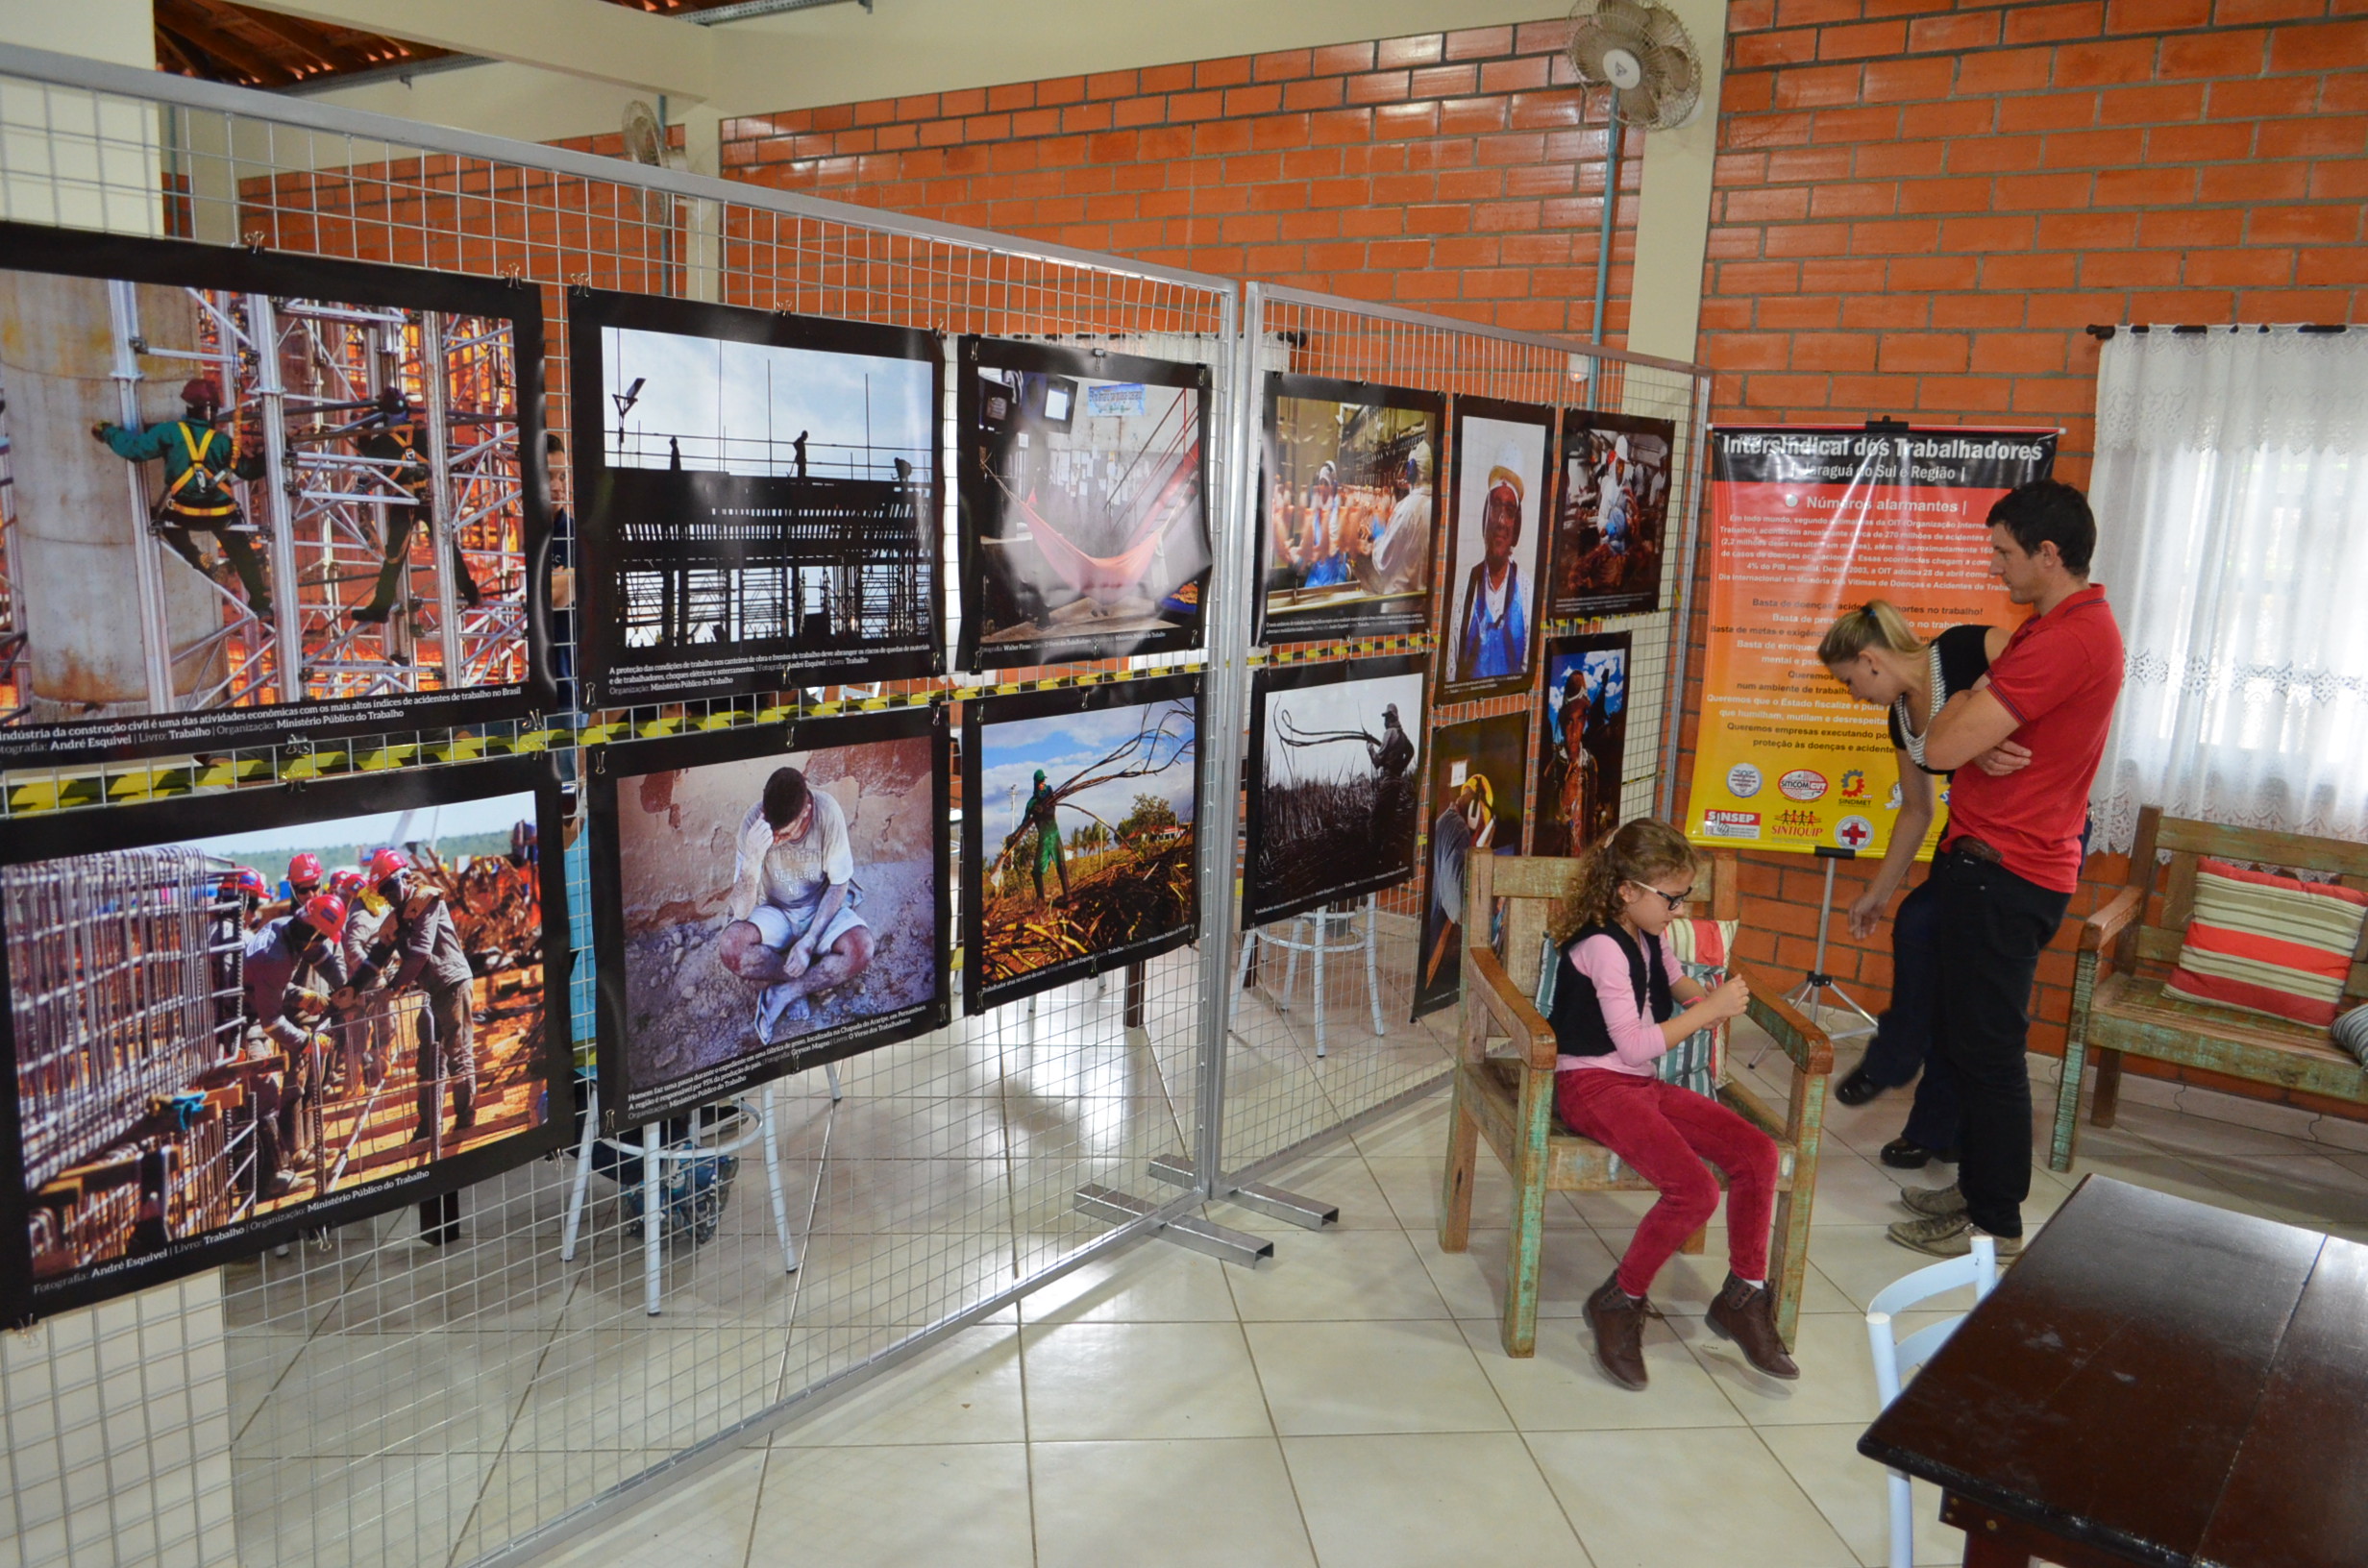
[1638,851]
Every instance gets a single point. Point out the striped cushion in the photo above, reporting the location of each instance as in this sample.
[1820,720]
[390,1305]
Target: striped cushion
[2270,944]
[1704,948]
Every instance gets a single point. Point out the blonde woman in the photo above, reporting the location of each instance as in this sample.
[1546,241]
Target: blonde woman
[1874,653]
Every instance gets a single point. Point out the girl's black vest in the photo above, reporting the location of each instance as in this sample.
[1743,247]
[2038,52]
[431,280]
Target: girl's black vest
[1579,1027]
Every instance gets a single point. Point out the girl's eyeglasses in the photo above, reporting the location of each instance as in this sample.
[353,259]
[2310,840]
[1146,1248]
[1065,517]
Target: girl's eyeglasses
[1675,900]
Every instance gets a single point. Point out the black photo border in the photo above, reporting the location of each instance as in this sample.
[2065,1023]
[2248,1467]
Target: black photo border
[1445,691]
[1291,678]
[136,259]
[1541,732]
[1367,618]
[977,714]
[33,839]
[1577,424]
[600,646]
[635,759]
[975,495]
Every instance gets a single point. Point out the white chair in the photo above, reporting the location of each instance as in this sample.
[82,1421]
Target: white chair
[1895,1358]
[1331,929]
[756,1125]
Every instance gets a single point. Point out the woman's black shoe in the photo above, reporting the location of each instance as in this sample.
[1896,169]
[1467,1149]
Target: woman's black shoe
[1900,1154]
[1857,1089]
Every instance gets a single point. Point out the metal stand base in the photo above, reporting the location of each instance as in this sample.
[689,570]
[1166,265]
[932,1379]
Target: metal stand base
[1219,1242]
[1309,1213]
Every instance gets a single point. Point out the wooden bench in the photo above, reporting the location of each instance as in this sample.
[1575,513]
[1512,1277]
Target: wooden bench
[2124,1011]
[1504,1090]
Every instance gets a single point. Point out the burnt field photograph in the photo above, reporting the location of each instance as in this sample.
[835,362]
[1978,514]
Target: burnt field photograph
[1082,832]
[1336,779]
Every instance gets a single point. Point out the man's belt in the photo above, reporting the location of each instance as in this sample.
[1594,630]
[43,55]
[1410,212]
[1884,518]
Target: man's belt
[1973,848]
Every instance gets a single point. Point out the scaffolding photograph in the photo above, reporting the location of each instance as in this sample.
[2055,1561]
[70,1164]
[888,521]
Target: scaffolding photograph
[221,501]
[222,1030]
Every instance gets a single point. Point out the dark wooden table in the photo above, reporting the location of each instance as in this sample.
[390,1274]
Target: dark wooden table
[2156,1381]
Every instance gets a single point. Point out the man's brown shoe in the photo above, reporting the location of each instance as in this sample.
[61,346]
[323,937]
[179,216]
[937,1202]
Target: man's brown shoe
[1745,1313]
[1618,1319]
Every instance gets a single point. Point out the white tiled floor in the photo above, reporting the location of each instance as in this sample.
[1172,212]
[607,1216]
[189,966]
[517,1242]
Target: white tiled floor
[1348,1405]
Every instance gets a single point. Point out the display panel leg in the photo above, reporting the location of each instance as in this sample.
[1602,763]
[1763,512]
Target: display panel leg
[653,1219]
[1324,932]
[771,1132]
[580,1189]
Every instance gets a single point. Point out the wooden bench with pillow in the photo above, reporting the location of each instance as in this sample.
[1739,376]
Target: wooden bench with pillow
[2242,972]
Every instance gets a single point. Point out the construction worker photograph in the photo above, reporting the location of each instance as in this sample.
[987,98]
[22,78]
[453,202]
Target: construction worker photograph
[200,462]
[392,435]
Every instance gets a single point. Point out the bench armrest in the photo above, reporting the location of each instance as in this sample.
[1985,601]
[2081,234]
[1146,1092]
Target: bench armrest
[1801,1039]
[2098,931]
[1511,1012]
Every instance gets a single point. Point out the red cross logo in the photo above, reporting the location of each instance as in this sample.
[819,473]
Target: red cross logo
[1854,833]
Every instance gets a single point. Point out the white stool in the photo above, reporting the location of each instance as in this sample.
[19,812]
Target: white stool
[1331,929]
[756,1125]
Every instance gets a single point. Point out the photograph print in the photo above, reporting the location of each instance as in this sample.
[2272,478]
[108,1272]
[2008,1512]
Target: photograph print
[1477,771]
[1349,488]
[253,497]
[1083,476]
[1077,845]
[233,1018]
[1336,783]
[1488,644]
[761,908]
[1582,744]
[1610,516]
[758,498]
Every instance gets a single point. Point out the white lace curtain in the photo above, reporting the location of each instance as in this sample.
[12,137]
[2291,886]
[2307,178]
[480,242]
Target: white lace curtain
[2230,489]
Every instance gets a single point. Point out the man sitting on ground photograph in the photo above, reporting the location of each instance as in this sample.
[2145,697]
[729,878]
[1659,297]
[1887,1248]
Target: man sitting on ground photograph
[794,928]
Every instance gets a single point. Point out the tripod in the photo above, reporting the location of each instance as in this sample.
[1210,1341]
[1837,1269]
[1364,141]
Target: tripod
[1808,993]
[1817,980]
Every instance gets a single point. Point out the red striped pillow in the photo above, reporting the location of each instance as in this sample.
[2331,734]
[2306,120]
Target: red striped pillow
[2268,944]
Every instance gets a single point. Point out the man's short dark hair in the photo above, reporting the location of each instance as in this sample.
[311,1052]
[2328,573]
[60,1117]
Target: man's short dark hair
[2045,510]
[785,797]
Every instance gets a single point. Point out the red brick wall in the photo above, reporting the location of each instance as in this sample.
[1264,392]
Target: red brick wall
[1920,205]
[1446,172]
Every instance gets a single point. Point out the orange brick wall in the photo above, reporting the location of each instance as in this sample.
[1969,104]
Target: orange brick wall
[1918,206]
[1447,172]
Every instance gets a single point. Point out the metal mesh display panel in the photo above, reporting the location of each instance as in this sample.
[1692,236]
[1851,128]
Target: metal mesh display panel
[1317,1041]
[370,1395]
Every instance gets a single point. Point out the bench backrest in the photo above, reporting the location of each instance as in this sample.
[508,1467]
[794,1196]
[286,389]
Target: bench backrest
[2158,937]
[1534,886]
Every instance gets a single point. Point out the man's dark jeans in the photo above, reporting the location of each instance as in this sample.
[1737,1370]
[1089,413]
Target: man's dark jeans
[1995,925]
[1903,1034]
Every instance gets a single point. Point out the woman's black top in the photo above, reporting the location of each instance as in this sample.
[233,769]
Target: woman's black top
[1964,658]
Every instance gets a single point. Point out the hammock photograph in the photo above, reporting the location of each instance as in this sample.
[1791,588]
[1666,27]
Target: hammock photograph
[1083,478]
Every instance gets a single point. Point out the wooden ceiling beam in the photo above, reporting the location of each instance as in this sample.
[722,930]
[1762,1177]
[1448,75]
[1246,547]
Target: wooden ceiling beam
[320,51]
[196,26]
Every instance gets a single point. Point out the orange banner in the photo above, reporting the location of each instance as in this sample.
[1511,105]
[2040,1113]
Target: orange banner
[1805,523]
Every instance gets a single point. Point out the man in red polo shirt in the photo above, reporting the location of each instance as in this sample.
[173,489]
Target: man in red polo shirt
[2012,860]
